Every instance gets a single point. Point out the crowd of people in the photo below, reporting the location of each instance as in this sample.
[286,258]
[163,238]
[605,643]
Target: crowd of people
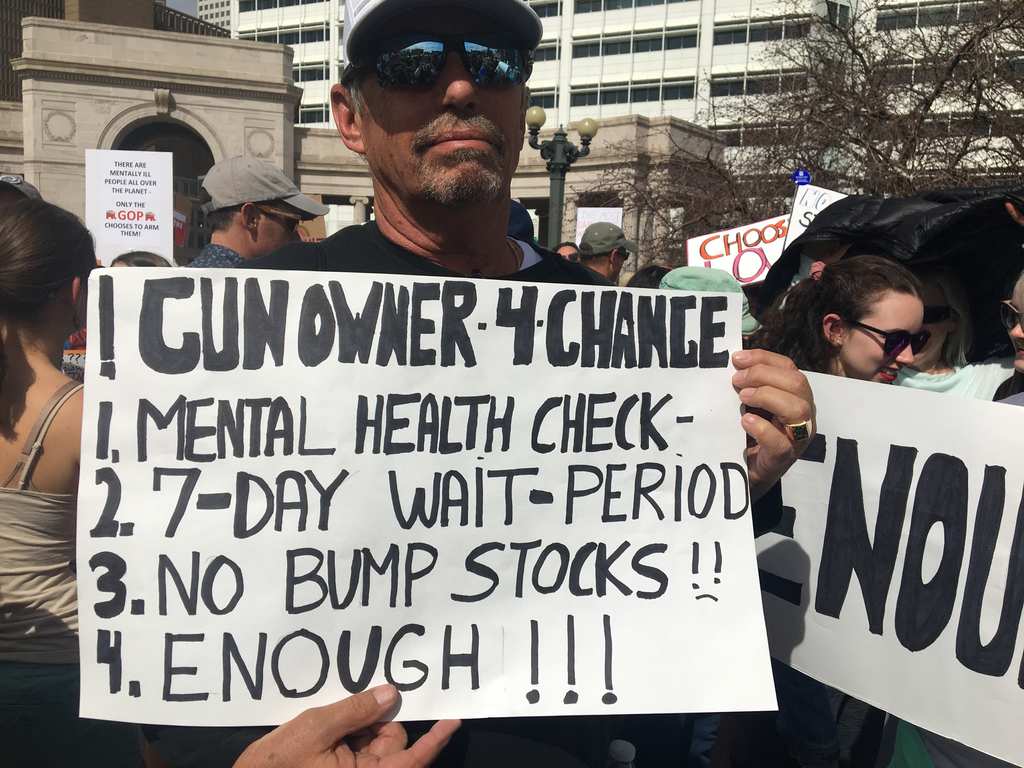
[435,100]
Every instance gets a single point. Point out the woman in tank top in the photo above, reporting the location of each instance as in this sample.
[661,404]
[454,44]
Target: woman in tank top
[45,259]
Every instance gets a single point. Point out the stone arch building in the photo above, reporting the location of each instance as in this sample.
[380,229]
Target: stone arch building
[100,86]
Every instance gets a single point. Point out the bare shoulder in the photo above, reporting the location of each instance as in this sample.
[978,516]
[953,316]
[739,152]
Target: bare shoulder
[57,469]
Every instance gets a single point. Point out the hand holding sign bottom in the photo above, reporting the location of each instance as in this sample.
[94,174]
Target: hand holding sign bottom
[347,734]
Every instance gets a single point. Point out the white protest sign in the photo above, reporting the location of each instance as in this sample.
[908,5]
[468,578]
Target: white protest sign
[129,202]
[744,252]
[897,574]
[587,216]
[506,499]
[808,202]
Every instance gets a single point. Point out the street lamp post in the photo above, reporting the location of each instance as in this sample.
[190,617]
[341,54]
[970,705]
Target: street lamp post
[560,154]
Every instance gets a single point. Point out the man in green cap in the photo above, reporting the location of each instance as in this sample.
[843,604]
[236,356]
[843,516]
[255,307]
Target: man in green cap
[604,248]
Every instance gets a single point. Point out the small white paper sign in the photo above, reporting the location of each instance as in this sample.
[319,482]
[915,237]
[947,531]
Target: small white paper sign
[587,216]
[808,202]
[897,575]
[506,499]
[746,253]
[129,202]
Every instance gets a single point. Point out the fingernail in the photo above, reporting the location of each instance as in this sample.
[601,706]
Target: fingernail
[741,356]
[384,694]
[739,376]
[747,392]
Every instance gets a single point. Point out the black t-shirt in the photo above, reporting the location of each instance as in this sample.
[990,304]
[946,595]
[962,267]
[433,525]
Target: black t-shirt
[536,742]
[362,248]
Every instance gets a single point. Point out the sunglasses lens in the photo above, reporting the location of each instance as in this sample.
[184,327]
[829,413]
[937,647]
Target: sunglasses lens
[918,341]
[1009,316]
[417,59]
[895,343]
[493,65]
[418,63]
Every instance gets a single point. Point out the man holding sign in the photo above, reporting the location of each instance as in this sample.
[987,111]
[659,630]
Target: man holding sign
[434,96]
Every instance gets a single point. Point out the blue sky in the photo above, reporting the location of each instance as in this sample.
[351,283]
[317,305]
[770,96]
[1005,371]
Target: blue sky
[185,6]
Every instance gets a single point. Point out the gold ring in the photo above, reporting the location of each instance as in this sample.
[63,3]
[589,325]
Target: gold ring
[799,431]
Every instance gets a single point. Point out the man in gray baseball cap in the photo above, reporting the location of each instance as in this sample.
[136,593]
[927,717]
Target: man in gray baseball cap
[251,209]
[604,248]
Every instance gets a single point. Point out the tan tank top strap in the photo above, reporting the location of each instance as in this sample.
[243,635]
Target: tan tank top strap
[34,441]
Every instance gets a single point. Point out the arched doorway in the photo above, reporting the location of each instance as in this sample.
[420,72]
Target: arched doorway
[192,160]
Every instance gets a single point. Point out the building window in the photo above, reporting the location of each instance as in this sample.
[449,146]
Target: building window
[313,114]
[586,50]
[583,99]
[546,10]
[587,6]
[726,88]
[677,91]
[546,53]
[730,36]
[262,5]
[642,3]
[647,44]
[308,72]
[316,35]
[614,5]
[616,47]
[675,42]
[544,100]
[288,37]
[896,20]
[838,14]
[615,96]
[763,34]
[645,93]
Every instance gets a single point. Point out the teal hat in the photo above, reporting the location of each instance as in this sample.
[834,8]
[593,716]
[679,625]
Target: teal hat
[709,279]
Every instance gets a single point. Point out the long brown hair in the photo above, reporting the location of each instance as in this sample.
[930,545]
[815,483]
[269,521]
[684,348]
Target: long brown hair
[792,326]
[42,247]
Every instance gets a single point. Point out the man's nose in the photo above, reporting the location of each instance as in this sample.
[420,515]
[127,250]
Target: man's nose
[459,87]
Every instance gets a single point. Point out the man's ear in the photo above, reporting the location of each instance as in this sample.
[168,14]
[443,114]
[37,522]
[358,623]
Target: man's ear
[250,214]
[832,327]
[346,118]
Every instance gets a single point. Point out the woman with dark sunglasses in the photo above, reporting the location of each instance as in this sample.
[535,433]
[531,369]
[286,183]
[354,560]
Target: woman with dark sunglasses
[941,366]
[1011,314]
[859,318]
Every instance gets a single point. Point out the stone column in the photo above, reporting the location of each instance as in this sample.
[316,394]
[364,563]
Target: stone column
[361,214]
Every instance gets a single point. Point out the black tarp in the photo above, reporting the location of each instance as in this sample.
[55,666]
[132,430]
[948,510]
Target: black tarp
[967,230]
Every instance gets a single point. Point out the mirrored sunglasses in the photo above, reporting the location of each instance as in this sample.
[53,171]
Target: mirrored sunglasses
[417,59]
[937,314]
[894,342]
[1011,316]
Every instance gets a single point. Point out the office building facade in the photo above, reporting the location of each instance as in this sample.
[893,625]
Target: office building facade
[598,58]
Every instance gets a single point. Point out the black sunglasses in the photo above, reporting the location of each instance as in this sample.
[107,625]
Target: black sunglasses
[895,342]
[1010,316]
[418,58]
[937,314]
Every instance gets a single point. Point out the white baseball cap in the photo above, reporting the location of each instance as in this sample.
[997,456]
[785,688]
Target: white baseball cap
[363,17]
